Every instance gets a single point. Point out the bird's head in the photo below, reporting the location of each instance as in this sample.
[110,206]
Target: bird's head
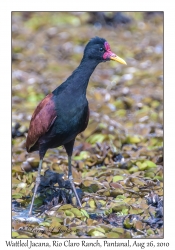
[99,50]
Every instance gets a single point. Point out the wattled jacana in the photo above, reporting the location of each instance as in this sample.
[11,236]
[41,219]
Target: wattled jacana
[64,113]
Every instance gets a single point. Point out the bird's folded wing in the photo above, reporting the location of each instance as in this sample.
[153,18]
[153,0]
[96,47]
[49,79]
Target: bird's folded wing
[42,119]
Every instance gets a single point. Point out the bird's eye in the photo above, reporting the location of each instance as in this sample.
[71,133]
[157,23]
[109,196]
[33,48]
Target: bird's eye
[101,49]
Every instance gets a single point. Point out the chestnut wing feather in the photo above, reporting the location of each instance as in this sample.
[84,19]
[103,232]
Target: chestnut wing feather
[41,121]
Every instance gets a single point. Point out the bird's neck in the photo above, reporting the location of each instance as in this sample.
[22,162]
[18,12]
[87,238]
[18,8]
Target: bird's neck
[79,79]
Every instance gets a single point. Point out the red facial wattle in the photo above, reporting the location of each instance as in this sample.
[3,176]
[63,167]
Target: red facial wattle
[110,55]
[108,52]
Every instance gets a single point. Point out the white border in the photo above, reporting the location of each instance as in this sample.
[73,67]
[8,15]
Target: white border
[5,95]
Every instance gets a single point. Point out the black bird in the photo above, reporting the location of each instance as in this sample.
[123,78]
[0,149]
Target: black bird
[64,113]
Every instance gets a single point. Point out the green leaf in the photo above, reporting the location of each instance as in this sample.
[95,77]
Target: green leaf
[83,155]
[150,164]
[120,197]
[119,230]
[127,223]
[117,178]
[69,213]
[14,234]
[119,206]
[76,212]
[96,138]
[38,201]
[66,206]
[150,232]
[55,222]
[45,224]
[92,204]
[102,202]
[84,213]
[133,169]
[160,178]
[121,112]
[125,211]
[17,196]
[133,139]
[112,235]
[23,236]
[136,210]
[95,232]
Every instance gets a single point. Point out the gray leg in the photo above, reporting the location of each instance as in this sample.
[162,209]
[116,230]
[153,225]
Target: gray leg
[72,181]
[36,186]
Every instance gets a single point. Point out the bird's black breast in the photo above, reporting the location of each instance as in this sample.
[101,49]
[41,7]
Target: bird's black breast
[72,119]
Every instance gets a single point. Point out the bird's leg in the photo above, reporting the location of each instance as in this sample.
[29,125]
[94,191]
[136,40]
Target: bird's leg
[36,186]
[70,176]
[69,149]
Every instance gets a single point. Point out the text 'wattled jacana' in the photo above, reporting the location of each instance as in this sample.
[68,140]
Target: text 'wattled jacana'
[64,113]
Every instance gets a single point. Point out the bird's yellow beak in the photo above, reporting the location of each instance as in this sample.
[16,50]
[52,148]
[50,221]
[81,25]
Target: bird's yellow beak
[118,59]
